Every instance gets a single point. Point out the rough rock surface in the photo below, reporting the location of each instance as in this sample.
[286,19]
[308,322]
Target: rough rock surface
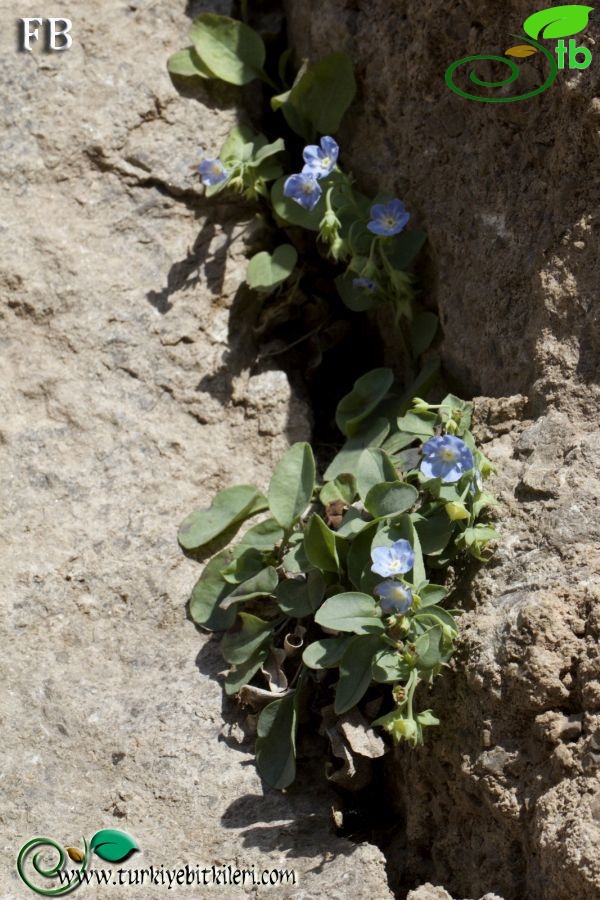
[129,396]
[508,192]
[506,795]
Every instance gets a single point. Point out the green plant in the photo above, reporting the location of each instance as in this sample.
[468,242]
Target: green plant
[297,597]
[333,596]
[371,262]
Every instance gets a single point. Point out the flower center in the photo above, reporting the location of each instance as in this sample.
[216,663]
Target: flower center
[389,221]
[307,187]
[325,162]
[394,564]
[449,455]
[215,169]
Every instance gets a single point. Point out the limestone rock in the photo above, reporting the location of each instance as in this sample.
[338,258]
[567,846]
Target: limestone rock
[129,396]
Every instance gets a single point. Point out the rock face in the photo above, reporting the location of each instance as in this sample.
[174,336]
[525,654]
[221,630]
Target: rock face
[505,797]
[506,191]
[130,394]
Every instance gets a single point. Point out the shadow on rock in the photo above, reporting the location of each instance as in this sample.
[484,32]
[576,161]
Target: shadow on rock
[198,265]
[283,822]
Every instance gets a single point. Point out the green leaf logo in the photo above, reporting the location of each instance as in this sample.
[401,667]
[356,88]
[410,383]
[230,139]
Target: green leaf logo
[112,845]
[558,22]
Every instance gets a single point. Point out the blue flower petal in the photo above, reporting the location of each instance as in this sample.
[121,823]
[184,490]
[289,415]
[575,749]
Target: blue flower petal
[212,171]
[388,218]
[304,189]
[312,154]
[330,148]
[446,457]
[394,597]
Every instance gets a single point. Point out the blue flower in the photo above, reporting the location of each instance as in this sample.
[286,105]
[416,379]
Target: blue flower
[304,189]
[446,458]
[212,171]
[367,283]
[394,560]
[320,161]
[388,218]
[395,597]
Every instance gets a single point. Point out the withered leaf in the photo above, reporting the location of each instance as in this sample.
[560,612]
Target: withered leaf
[272,669]
[256,697]
[334,513]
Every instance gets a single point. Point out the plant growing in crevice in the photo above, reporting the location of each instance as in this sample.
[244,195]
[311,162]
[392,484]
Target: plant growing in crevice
[333,593]
[331,602]
[364,239]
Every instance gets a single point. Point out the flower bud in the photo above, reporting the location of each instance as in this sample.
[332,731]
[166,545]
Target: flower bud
[456,511]
[399,694]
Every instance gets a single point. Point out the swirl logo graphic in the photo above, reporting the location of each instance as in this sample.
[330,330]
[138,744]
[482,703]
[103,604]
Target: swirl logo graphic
[556,22]
[109,844]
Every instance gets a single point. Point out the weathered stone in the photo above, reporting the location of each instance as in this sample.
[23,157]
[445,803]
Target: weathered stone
[512,266]
[512,259]
[130,395]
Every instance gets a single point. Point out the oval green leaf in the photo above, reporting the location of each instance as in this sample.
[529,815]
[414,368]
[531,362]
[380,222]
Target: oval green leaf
[358,299]
[230,507]
[374,467]
[292,485]
[368,391]
[276,743]
[390,498]
[301,597]
[261,585]
[320,96]
[356,672]
[341,488]
[266,271]
[240,645]
[432,594]
[263,536]
[434,532]
[230,49]
[207,594]
[187,63]
[354,612]
[423,330]
[346,460]
[240,675]
[326,653]
[427,648]
[388,666]
[320,546]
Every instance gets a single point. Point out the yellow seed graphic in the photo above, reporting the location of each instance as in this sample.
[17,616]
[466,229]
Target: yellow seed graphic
[521,50]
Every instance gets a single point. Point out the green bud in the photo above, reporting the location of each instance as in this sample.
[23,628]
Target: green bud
[420,405]
[456,511]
